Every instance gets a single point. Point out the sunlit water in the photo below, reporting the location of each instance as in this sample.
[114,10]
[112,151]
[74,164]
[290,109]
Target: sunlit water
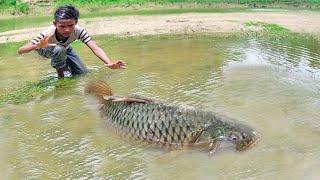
[271,85]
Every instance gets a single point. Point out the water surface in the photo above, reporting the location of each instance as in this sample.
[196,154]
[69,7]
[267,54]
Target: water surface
[270,84]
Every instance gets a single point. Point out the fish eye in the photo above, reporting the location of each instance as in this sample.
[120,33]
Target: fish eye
[233,137]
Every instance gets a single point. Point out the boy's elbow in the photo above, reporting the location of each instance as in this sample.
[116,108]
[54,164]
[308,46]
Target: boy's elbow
[20,52]
[26,48]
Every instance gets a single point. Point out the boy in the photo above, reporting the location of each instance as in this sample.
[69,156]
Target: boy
[55,43]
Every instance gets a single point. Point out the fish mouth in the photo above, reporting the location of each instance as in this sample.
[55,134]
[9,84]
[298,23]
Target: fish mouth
[252,143]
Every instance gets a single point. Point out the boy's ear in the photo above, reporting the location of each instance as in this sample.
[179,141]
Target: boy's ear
[54,23]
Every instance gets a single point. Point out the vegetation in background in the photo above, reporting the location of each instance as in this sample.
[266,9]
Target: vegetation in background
[40,13]
[31,90]
[15,6]
[24,22]
[251,2]
[19,6]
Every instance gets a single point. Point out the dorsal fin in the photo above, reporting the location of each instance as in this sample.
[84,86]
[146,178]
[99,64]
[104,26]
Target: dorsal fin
[127,99]
[99,89]
[103,92]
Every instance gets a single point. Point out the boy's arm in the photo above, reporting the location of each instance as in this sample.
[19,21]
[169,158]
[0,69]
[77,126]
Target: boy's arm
[104,58]
[30,46]
[26,48]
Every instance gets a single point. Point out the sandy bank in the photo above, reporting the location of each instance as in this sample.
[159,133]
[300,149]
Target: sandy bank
[182,23]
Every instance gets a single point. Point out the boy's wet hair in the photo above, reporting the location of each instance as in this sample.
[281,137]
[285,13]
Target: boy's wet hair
[66,12]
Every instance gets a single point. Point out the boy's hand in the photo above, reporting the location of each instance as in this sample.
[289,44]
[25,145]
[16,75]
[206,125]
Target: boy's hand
[44,42]
[117,65]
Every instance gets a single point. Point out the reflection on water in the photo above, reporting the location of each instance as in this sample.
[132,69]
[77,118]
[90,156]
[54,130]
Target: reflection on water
[273,85]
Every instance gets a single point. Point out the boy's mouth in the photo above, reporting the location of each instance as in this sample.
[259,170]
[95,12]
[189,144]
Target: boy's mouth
[65,34]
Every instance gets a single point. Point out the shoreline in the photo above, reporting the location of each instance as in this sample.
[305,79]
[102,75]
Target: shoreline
[186,23]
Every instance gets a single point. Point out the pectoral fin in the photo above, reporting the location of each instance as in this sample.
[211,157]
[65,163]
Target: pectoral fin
[195,137]
[214,145]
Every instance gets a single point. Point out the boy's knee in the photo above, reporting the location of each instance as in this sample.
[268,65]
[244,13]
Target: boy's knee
[59,56]
[59,51]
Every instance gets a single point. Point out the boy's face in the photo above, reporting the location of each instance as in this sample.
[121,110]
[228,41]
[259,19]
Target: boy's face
[65,26]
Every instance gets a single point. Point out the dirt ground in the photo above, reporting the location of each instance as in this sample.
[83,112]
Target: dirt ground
[303,22]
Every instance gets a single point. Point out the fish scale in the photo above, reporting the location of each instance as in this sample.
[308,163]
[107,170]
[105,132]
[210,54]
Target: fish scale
[137,118]
[170,125]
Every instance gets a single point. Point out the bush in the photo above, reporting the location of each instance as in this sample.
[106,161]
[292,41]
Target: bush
[23,8]
[8,2]
[15,5]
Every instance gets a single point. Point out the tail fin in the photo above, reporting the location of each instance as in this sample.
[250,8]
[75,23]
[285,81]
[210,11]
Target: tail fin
[99,89]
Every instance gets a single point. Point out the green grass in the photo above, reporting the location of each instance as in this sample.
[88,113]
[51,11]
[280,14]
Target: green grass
[179,1]
[19,6]
[275,28]
[10,49]
[271,28]
[31,90]
[23,22]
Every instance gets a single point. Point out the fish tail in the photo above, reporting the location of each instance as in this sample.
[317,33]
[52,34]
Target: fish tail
[99,89]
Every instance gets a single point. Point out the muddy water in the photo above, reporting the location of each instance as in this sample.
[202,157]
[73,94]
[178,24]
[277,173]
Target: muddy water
[272,85]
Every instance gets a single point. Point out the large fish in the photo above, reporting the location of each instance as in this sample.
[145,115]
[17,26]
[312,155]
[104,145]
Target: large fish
[165,124]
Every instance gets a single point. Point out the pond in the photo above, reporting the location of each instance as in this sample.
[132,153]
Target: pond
[271,84]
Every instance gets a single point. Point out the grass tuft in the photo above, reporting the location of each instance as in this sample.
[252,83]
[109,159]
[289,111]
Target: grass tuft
[31,90]
[272,28]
